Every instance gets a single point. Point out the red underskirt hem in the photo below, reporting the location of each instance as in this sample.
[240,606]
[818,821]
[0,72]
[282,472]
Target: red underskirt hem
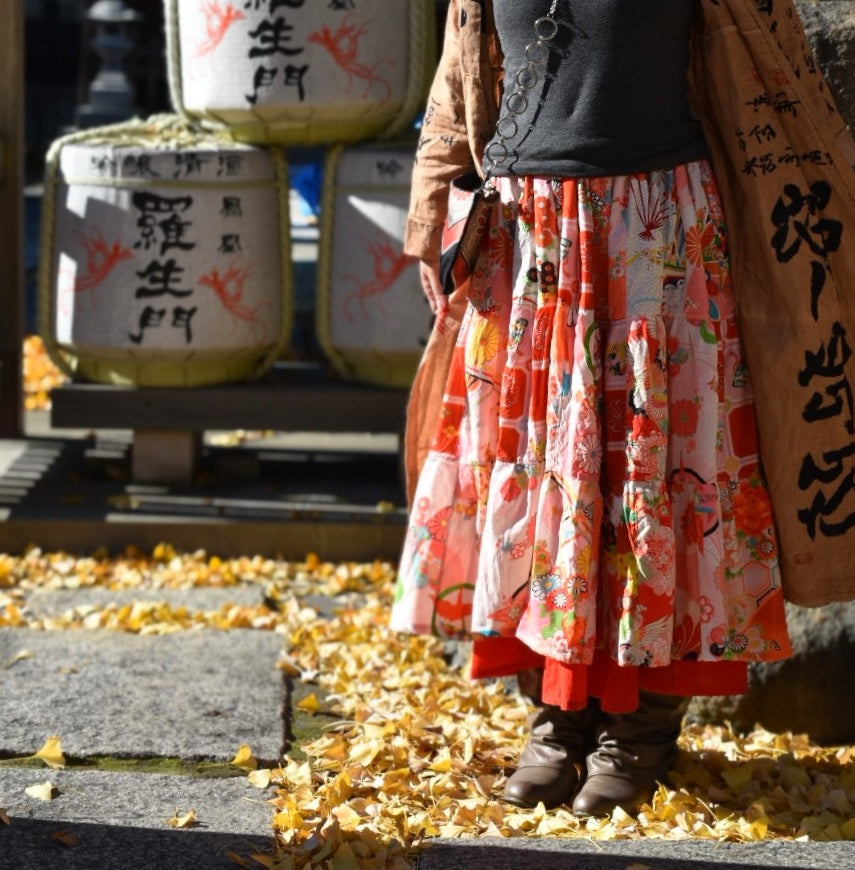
[616,687]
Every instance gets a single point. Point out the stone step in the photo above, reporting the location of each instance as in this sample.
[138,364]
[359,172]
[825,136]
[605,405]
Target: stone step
[190,695]
[341,498]
[98,821]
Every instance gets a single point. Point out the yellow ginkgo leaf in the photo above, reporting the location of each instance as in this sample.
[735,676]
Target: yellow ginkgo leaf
[19,657]
[365,751]
[344,859]
[738,777]
[244,758]
[51,753]
[4,816]
[43,791]
[347,817]
[310,704]
[66,838]
[259,778]
[188,820]
[288,820]
[442,762]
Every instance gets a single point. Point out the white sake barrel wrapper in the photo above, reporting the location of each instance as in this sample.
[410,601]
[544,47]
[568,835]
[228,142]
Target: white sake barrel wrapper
[165,256]
[301,72]
[372,318]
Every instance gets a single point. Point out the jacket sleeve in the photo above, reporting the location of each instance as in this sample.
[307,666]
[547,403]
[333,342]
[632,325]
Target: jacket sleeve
[443,151]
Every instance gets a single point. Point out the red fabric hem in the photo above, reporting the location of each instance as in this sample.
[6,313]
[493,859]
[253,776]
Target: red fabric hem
[616,687]
[501,656]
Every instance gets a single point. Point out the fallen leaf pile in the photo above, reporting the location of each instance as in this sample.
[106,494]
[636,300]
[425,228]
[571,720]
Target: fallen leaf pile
[410,749]
[419,751]
[40,375]
[282,583]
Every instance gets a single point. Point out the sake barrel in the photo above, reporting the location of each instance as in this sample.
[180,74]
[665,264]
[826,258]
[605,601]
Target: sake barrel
[372,318]
[164,256]
[301,72]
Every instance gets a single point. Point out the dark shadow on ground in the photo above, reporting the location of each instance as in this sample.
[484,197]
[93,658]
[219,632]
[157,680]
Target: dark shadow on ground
[28,844]
[566,854]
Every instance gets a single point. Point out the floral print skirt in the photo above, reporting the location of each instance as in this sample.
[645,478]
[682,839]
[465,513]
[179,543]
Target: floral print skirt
[593,486]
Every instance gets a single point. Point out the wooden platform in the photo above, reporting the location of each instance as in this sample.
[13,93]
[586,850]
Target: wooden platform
[164,483]
[79,495]
[294,397]
[167,423]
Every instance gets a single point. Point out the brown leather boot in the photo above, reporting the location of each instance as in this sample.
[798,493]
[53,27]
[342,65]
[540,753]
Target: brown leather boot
[549,767]
[634,750]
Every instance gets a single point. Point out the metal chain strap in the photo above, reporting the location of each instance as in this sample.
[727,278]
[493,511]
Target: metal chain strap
[517,101]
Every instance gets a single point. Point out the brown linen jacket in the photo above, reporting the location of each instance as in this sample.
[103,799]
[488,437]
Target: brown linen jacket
[783,160]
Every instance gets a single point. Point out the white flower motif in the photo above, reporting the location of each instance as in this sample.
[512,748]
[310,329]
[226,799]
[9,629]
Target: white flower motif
[588,454]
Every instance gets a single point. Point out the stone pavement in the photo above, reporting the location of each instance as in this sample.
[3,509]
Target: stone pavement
[149,723]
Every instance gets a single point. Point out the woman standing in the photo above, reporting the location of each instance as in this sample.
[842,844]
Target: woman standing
[592,508]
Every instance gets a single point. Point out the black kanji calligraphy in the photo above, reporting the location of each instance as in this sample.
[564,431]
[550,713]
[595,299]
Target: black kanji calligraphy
[273,37]
[273,5]
[138,166]
[828,363]
[150,318]
[828,513]
[230,243]
[163,213]
[104,164]
[182,318]
[389,168]
[189,163]
[293,78]
[231,207]
[161,280]
[230,164]
[264,77]
[798,220]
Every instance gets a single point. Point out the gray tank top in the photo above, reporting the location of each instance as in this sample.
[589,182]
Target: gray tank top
[616,95]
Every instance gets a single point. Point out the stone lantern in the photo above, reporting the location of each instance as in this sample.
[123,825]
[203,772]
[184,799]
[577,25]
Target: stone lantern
[111,97]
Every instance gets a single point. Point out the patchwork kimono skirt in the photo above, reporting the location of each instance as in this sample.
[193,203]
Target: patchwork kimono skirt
[593,501]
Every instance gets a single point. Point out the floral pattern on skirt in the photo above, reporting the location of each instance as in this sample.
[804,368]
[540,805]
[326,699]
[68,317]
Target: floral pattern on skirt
[593,481]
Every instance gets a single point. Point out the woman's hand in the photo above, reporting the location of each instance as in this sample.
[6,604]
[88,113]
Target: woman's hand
[429,273]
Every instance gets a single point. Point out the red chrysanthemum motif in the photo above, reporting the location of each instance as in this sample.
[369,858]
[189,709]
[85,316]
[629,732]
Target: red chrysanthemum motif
[752,509]
[684,418]
[437,525]
[501,251]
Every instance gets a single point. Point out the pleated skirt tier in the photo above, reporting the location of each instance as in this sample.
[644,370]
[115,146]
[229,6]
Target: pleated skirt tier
[593,490]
